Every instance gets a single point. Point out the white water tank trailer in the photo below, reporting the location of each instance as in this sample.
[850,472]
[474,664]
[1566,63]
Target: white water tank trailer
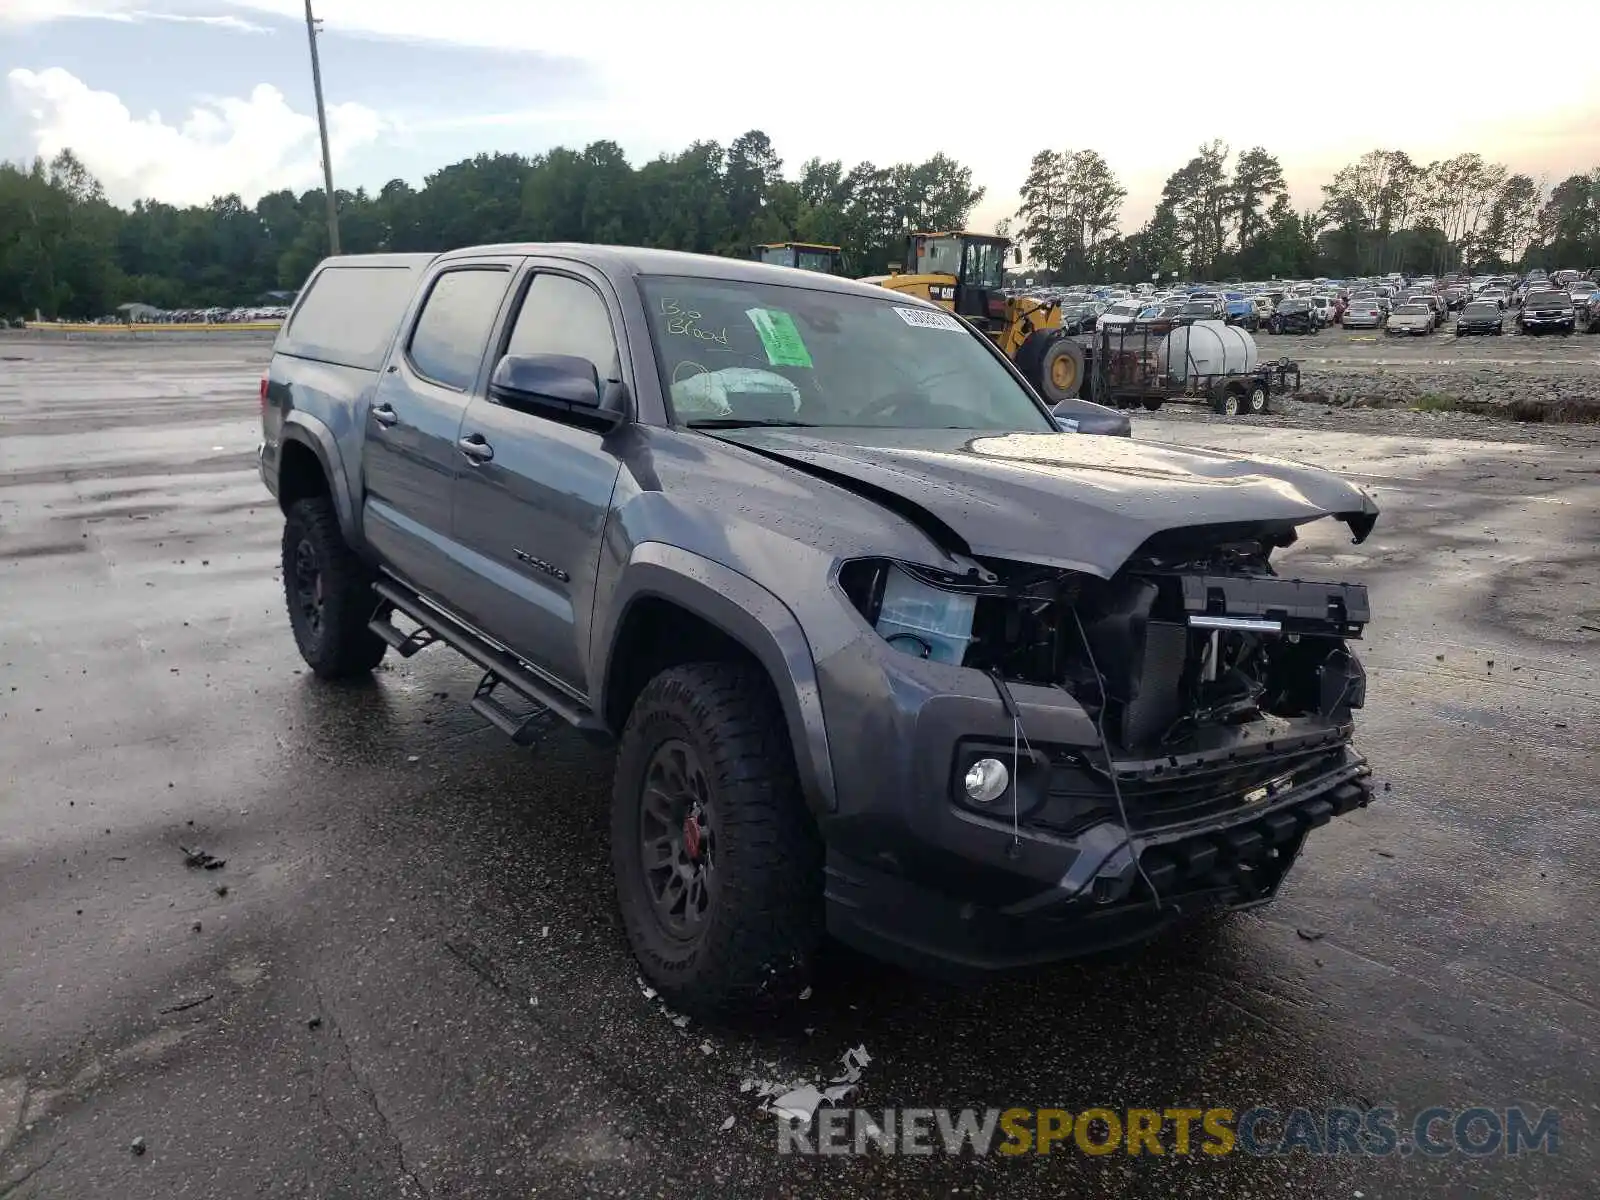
[1206,348]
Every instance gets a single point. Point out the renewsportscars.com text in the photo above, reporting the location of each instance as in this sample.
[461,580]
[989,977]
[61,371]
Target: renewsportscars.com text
[1435,1132]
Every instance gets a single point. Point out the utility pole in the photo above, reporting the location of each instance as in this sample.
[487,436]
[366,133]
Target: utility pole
[322,128]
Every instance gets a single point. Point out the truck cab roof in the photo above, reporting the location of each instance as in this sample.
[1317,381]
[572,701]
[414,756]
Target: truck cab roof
[624,262]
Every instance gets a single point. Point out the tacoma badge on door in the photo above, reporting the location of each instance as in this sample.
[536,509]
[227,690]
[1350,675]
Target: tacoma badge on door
[524,556]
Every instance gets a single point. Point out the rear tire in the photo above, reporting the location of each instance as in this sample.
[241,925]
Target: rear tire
[1152,403]
[329,594]
[1226,403]
[706,746]
[1256,401]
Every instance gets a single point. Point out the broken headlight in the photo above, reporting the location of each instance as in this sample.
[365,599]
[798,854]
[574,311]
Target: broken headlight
[909,612]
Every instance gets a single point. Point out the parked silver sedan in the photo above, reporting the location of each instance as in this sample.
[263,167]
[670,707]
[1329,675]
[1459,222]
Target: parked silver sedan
[1365,313]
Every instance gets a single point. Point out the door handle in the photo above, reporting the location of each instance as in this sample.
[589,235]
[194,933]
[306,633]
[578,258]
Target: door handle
[384,414]
[475,448]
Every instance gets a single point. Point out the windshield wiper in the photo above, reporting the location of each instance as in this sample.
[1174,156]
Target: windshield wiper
[747,423]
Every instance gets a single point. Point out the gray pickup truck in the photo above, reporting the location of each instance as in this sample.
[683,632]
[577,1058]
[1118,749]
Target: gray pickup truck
[885,652]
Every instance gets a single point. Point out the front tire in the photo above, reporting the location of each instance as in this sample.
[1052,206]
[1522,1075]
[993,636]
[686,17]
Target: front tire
[718,865]
[1060,370]
[329,594]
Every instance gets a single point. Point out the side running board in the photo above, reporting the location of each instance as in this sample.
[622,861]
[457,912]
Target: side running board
[502,670]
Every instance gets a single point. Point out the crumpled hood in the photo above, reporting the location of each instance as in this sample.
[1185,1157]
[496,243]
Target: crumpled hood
[1067,500]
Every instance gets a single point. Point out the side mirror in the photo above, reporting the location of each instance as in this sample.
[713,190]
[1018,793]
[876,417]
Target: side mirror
[560,381]
[1084,416]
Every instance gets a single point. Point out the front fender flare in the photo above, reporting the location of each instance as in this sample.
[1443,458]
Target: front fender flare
[756,619]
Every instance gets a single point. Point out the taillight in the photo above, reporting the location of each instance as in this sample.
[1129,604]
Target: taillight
[263,395]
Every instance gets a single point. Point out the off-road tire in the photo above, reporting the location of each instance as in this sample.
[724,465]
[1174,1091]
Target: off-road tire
[1059,353]
[764,920]
[337,644]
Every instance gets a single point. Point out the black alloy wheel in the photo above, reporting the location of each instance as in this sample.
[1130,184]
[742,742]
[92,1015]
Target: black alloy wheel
[678,840]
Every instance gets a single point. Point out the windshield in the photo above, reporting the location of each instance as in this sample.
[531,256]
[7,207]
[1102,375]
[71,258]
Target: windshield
[1201,309]
[940,256]
[1483,310]
[815,260]
[778,256]
[730,351]
[1554,299]
[1289,306]
[1411,310]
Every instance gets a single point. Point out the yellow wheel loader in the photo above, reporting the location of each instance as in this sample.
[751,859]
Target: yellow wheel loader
[965,273]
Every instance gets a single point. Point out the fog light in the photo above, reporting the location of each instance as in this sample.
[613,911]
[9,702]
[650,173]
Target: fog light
[986,780]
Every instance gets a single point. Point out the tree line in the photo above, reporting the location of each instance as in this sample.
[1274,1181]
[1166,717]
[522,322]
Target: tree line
[1226,216]
[66,251]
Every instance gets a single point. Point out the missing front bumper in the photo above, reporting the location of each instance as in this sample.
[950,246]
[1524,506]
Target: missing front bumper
[1104,901]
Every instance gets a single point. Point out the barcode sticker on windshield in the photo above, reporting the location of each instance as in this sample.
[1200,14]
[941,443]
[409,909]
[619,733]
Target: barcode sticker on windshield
[925,318]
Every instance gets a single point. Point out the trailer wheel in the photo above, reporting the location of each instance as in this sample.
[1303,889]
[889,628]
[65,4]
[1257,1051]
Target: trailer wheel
[1226,402]
[1256,402]
[1152,403]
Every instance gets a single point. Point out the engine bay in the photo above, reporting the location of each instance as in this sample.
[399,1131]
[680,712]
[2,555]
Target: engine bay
[1183,639]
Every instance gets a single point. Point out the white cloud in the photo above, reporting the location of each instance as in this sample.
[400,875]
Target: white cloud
[126,12]
[27,12]
[249,146]
[226,21]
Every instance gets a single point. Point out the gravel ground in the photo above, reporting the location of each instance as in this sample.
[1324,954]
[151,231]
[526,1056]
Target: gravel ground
[1548,377]
[1378,421]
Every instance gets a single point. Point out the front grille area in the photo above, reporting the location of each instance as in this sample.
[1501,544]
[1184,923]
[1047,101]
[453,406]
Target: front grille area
[1078,796]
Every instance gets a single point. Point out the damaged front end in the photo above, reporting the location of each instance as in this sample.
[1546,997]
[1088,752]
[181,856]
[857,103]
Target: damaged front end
[1220,698]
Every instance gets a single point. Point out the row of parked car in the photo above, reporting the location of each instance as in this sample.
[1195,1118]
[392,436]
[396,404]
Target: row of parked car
[211,316]
[1534,304]
[1537,302]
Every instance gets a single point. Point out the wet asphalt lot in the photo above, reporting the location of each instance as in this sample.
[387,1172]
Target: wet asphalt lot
[408,981]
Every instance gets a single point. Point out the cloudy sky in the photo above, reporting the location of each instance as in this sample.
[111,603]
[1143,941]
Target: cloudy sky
[184,99]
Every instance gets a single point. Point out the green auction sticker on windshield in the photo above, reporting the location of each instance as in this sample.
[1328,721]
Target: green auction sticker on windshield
[779,337]
[928,318]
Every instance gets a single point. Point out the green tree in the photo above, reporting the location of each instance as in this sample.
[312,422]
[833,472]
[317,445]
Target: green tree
[1044,215]
[1569,223]
[1366,203]
[1257,185]
[753,168]
[1512,223]
[1094,203]
[1199,197]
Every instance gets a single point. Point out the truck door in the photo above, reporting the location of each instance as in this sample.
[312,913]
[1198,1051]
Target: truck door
[532,511]
[410,456]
